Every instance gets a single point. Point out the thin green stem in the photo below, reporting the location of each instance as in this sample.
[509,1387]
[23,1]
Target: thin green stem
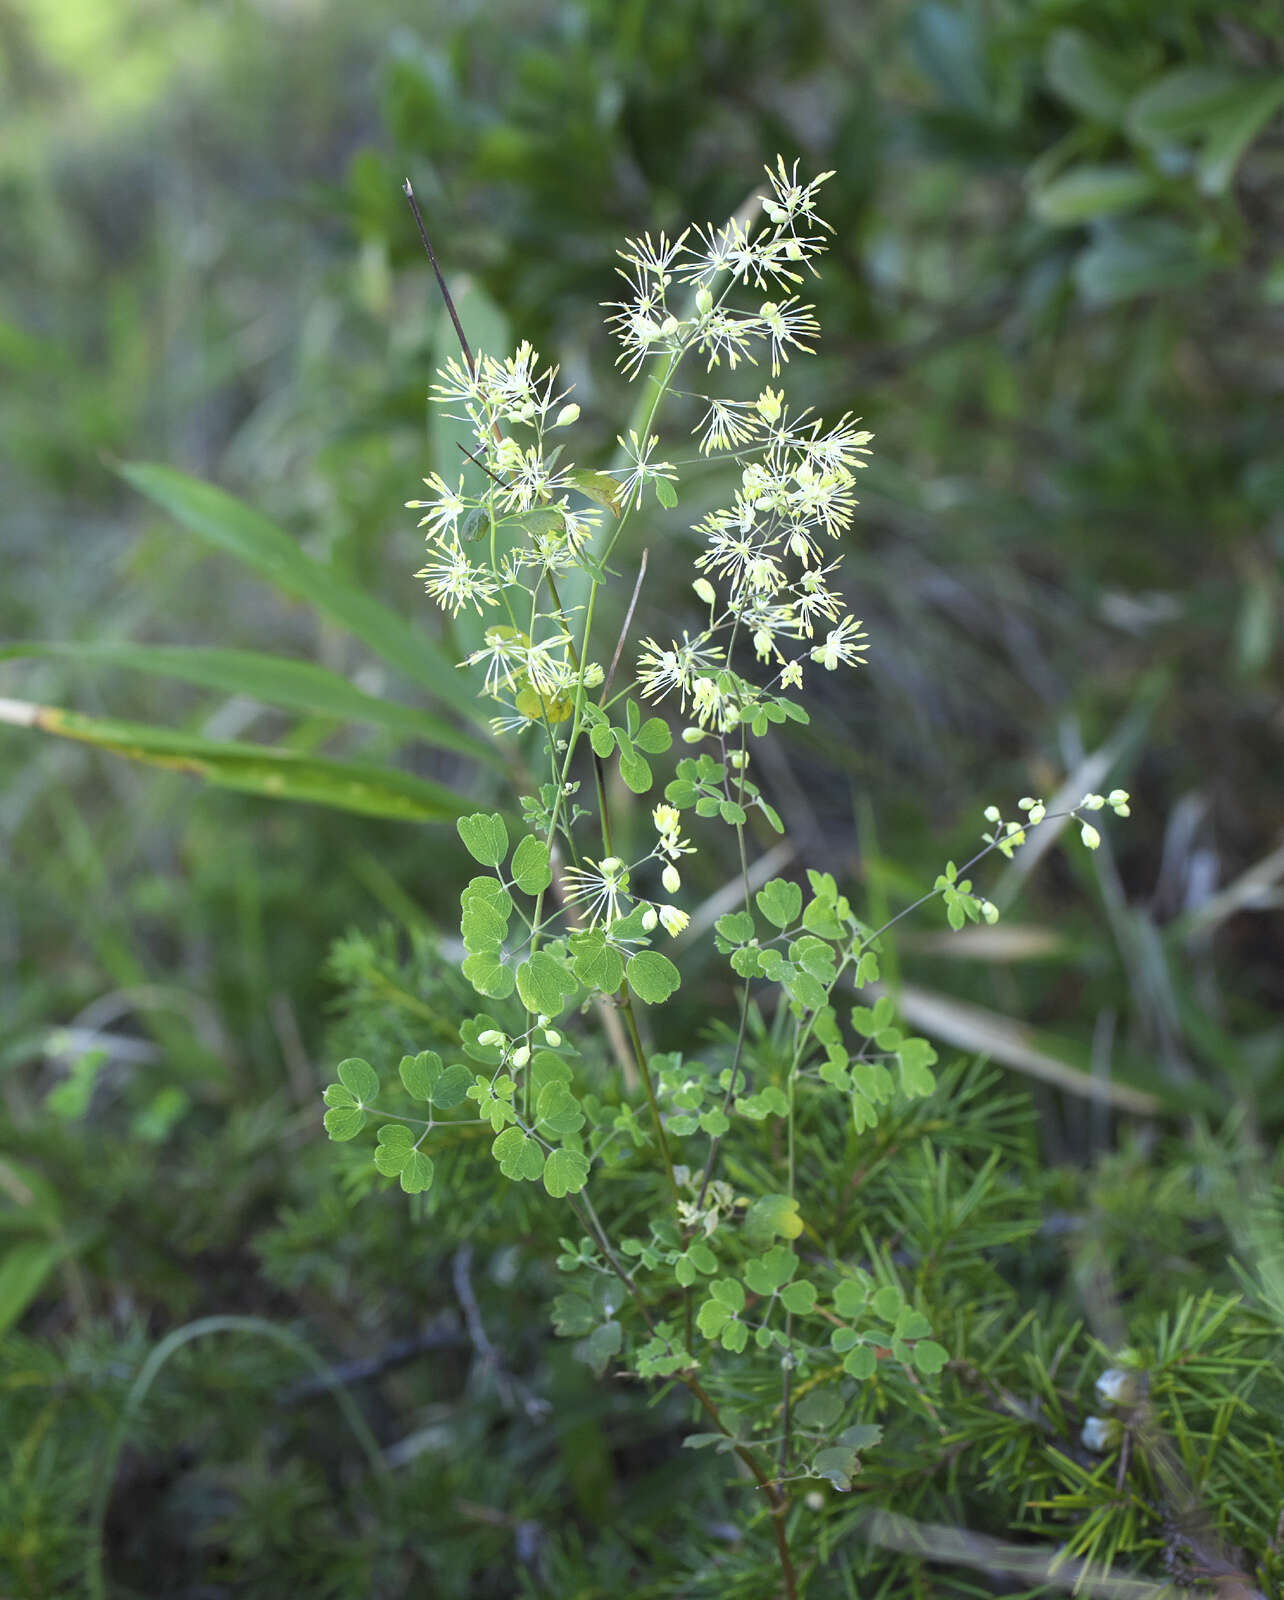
[635,1039]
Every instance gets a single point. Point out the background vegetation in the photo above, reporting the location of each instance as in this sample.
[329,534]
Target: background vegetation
[1057,296]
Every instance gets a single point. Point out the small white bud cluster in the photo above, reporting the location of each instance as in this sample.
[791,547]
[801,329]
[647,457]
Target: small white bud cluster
[1123,1385]
[1006,836]
[1117,800]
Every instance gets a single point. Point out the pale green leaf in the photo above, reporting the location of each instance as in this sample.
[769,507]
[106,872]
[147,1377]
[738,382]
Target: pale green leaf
[519,1156]
[652,976]
[545,984]
[771,1215]
[359,1077]
[565,1172]
[484,837]
[820,1408]
[416,1175]
[344,1122]
[635,770]
[861,1362]
[800,1297]
[780,902]
[531,869]
[929,1357]
[488,974]
[419,1074]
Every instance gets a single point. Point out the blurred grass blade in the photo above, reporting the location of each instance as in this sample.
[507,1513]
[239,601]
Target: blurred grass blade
[1231,133]
[1090,775]
[239,531]
[1257,889]
[30,1213]
[972,1028]
[275,680]
[254,769]
[95,1574]
[1004,943]
[24,1269]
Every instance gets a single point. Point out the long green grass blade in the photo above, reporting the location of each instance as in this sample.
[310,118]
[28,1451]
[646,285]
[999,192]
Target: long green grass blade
[237,530]
[275,680]
[95,1573]
[254,769]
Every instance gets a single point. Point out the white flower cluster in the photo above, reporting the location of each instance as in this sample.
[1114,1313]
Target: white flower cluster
[601,889]
[501,546]
[763,572]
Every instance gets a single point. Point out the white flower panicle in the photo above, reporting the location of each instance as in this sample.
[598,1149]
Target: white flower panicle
[501,532]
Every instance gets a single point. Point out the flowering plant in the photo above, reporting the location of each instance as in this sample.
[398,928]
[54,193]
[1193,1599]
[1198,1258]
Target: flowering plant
[697,1262]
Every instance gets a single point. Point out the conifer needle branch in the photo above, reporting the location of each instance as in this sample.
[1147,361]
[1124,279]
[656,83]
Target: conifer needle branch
[441,282]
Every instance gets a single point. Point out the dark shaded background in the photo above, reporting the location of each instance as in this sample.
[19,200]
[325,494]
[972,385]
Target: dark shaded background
[1056,293]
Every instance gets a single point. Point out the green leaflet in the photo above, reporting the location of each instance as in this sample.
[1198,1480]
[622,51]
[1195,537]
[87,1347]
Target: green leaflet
[780,902]
[426,1078]
[520,1157]
[771,1215]
[544,984]
[484,837]
[532,870]
[565,1172]
[652,977]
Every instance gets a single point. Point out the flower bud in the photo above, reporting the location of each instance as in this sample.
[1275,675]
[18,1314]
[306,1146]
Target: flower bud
[492,1036]
[1090,836]
[649,919]
[1117,800]
[1101,1434]
[671,879]
[1092,802]
[552,1038]
[692,735]
[567,415]
[705,591]
[521,1055]
[1117,1387]
[704,300]
[991,813]
[768,404]
[990,911]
